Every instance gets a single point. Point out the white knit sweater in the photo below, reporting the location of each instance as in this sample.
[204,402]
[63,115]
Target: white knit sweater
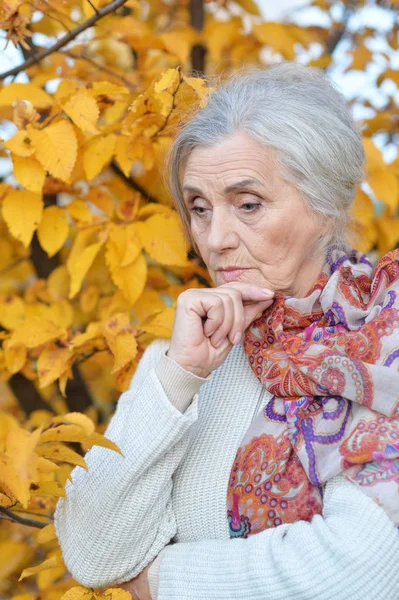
[179,435]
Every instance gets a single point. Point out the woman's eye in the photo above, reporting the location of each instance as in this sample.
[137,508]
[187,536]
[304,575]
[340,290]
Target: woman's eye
[199,210]
[250,206]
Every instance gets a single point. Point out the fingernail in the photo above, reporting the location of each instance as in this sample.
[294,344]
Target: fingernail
[218,344]
[237,338]
[267,292]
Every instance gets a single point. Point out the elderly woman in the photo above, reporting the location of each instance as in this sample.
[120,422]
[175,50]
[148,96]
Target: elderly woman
[261,442]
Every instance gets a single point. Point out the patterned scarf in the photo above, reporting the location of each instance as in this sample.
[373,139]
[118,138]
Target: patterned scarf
[331,362]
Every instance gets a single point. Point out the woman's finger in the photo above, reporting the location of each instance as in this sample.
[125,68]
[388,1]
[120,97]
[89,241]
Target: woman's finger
[254,311]
[227,323]
[249,292]
[212,307]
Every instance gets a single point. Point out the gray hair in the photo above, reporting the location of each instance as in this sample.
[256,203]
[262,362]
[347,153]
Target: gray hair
[297,111]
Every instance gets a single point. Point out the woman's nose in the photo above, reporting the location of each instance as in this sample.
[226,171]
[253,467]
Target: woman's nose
[222,233]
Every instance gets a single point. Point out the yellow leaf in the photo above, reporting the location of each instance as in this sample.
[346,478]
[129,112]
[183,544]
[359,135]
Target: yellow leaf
[177,43]
[79,268]
[29,172]
[361,57]
[168,81]
[88,298]
[13,555]
[56,149]
[105,88]
[77,418]
[124,348]
[122,154]
[163,239]
[200,87]
[276,35]
[251,7]
[131,278]
[52,362]
[123,245]
[53,229]
[118,322]
[374,158]
[74,433]
[12,311]
[22,212]
[101,199]
[18,466]
[48,488]
[15,357]
[7,422]
[61,453]
[54,561]
[388,229]
[80,593]
[162,324]
[384,184]
[58,283]
[149,303]
[389,74]
[20,144]
[364,233]
[83,111]
[46,466]
[25,91]
[5,501]
[152,208]
[61,313]
[97,153]
[35,331]
[96,439]
[94,330]
[24,113]
[117,594]
[62,433]
[46,534]
[80,211]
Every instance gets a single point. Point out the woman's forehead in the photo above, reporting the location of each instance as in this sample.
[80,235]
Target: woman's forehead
[230,163]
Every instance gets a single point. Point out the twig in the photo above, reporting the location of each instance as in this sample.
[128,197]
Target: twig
[52,17]
[14,264]
[133,184]
[16,519]
[112,6]
[339,33]
[100,67]
[155,135]
[92,5]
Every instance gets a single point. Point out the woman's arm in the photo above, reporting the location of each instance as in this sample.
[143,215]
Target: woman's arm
[351,553]
[118,515]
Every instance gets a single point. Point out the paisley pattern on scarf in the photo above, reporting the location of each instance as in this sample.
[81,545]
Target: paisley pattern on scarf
[331,362]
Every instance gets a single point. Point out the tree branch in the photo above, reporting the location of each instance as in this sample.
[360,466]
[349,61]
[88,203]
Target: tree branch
[102,12]
[133,184]
[91,61]
[198,51]
[16,519]
[337,34]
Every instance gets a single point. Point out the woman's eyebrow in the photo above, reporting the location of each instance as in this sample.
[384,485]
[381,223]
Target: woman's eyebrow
[229,188]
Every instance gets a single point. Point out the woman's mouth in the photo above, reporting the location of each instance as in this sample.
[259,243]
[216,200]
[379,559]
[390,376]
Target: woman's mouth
[231,273]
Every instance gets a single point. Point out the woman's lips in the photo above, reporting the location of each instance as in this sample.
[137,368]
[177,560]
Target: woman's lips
[231,274]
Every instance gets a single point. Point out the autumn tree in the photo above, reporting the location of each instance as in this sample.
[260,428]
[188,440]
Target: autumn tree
[92,253]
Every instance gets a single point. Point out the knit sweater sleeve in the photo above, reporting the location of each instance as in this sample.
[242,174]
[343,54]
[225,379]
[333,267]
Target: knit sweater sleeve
[352,551]
[108,529]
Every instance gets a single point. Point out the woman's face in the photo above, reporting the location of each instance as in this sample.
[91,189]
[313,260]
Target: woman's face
[244,215]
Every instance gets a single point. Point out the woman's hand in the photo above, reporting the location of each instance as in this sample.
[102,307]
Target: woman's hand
[138,586]
[208,322]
